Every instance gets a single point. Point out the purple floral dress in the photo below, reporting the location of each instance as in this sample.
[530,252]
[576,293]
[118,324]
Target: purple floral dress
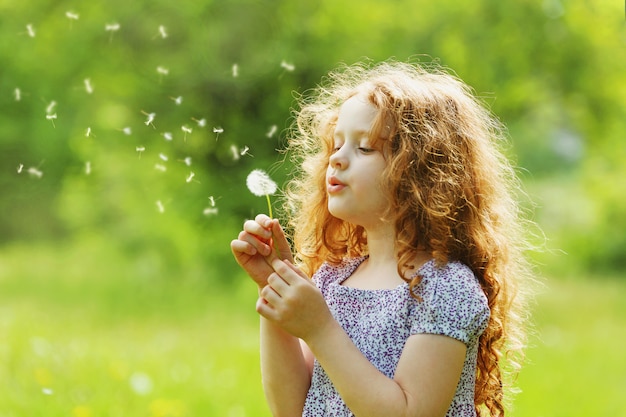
[380,321]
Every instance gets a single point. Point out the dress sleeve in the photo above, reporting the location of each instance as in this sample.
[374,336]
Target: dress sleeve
[453,304]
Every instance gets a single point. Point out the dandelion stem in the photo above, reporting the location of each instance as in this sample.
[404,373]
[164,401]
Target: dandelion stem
[269,205]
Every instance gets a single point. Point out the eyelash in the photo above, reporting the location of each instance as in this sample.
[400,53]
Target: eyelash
[360,148]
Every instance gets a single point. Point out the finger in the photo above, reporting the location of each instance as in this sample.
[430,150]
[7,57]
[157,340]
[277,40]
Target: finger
[280,241]
[261,246]
[257,229]
[276,283]
[270,295]
[240,247]
[296,269]
[284,271]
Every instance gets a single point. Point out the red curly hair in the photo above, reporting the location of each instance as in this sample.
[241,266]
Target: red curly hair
[452,193]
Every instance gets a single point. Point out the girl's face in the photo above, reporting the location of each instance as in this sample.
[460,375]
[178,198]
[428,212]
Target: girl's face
[355,166]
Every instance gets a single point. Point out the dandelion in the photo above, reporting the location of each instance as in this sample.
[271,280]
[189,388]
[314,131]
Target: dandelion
[260,184]
[88,86]
[168,136]
[272,131]
[30,30]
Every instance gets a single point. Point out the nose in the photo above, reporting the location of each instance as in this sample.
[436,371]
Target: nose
[338,159]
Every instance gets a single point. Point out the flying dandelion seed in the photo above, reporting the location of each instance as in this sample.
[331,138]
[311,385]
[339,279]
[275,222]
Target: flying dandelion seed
[234,152]
[272,131]
[30,30]
[162,32]
[210,211]
[287,66]
[235,70]
[71,15]
[17,94]
[168,136]
[245,151]
[163,157]
[20,167]
[260,184]
[160,167]
[87,168]
[51,117]
[88,86]
[160,206]
[140,149]
[47,391]
[186,129]
[162,70]
[127,131]
[177,100]
[190,176]
[112,27]
[217,130]
[200,123]
[149,118]
[212,201]
[34,172]
[187,161]
[51,106]
[88,132]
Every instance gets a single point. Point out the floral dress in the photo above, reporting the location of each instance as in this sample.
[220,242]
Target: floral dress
[379,322]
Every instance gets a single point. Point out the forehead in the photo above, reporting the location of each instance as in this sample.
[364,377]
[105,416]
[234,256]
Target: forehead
[356,114]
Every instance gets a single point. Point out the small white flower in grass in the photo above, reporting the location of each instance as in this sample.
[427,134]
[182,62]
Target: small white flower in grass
[260,184]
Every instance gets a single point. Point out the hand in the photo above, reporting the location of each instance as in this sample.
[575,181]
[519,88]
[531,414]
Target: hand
[260,241]
[293,302]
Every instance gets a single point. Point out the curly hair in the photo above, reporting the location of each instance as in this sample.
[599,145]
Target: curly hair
[452,193]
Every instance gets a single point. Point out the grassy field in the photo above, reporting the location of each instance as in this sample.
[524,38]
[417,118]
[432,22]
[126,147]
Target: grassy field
[87,339]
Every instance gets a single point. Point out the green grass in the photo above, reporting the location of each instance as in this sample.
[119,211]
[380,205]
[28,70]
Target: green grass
[87,336]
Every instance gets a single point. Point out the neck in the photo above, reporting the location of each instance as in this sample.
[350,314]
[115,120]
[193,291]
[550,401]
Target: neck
[381,246]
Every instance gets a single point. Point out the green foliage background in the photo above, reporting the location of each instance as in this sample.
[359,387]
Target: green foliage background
[94,248]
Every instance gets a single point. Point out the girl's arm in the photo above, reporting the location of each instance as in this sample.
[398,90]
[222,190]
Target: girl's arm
[286,366]
[427,374]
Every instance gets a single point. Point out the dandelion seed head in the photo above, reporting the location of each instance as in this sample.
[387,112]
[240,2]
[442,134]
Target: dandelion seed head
[260,184]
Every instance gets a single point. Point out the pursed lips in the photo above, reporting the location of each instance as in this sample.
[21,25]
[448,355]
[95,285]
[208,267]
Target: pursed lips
[334,185]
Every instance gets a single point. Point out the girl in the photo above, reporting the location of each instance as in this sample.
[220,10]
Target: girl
[405,217]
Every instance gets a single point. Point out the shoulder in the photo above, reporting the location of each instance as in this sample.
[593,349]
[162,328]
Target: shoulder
[335,273]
